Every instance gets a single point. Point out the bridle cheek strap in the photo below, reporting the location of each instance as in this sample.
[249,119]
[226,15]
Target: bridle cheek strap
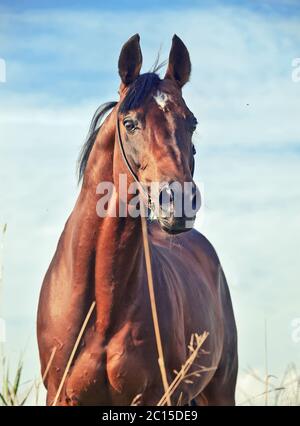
[143,192]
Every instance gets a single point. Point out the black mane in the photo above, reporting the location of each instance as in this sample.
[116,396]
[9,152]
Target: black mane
[91,137]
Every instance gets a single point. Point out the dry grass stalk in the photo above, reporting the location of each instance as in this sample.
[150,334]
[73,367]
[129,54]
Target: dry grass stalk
[49,363]
[281,391]
[136,400]
[161,360]
[73,352]
[38,382]
[182,374]
[266,367]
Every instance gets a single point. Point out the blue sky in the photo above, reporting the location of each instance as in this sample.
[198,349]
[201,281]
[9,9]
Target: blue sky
[48,65]
[287,7]
[62,64]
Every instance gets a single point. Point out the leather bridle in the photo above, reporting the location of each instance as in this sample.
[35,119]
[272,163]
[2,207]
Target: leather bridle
[145,194]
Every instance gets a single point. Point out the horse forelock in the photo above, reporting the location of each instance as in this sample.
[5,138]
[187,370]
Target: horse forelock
[143,86]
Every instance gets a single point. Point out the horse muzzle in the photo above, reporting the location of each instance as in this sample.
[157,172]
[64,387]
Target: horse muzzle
[177,209]
[176,225]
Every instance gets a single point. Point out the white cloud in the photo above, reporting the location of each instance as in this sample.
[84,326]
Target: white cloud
[241,86]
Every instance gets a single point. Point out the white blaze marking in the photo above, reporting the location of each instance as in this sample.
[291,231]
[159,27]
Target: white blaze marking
[161,99]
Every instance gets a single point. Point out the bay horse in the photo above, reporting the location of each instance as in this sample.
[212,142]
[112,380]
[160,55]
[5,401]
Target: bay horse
[146,135]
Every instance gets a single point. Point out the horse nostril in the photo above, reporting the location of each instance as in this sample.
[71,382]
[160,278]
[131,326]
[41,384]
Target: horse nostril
[194,201]
[166,198]
[195,198]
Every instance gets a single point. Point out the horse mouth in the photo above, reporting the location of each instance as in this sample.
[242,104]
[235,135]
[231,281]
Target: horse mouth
[176,226]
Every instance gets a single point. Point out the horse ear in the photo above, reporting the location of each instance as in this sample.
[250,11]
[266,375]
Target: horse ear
[130,60]
[179,68]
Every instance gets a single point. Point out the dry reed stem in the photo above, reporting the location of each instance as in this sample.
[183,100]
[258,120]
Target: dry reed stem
[182,374]
[279,390]
[259,395]
[49,363]
[38,382]
[136,400]
[73,352]
[161,361]
[266,367]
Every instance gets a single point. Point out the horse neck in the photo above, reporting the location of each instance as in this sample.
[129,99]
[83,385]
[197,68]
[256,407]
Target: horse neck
[114,242]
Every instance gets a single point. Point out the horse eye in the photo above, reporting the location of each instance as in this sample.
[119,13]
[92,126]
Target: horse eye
[129,125]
